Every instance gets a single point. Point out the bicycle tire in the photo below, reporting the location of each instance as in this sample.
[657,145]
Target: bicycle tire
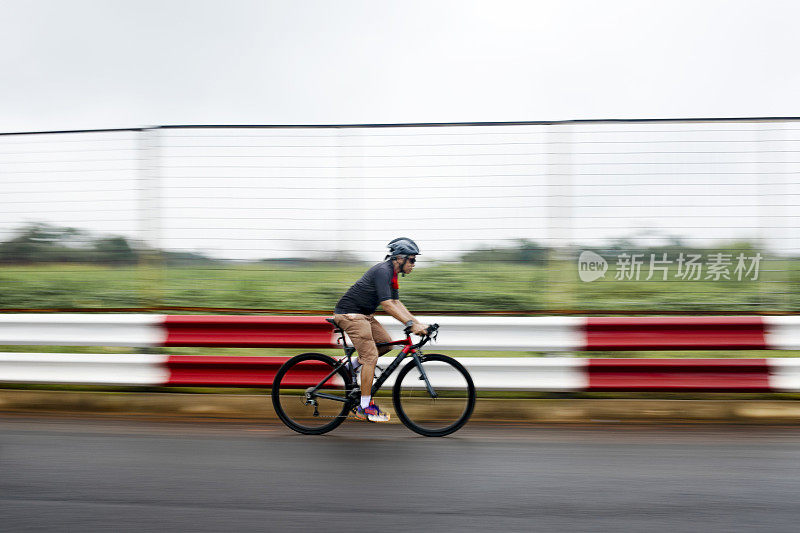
[430,416]
[299,373]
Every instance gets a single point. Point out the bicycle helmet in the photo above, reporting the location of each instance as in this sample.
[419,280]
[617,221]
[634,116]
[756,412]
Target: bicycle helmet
[402,246]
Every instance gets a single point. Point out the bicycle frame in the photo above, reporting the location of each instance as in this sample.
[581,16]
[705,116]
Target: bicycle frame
[408,348]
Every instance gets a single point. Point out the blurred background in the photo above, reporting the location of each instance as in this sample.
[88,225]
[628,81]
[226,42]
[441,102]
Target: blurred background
[285,218]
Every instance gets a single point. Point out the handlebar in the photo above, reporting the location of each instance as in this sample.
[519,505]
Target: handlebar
[430,333]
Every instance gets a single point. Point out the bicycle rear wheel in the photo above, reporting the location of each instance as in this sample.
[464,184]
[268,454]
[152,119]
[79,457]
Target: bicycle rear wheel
[434,416]
[302,410]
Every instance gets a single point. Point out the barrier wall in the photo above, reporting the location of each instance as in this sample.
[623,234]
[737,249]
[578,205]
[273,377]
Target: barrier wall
[536,334]
[489,373]
[549,334]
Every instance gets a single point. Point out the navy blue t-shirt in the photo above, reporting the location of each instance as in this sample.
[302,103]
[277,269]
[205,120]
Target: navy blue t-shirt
[379,283]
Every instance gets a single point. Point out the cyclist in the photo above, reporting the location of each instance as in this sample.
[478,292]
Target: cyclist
[354,314]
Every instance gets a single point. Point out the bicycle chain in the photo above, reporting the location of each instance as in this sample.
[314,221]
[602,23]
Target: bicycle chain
[337,416]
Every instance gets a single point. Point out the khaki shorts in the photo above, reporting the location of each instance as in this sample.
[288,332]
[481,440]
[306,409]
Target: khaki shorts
[364,331]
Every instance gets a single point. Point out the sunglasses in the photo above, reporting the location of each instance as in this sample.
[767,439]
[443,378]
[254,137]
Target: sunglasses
[412,260]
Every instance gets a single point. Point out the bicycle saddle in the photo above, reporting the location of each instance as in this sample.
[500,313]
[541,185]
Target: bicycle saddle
[333,323]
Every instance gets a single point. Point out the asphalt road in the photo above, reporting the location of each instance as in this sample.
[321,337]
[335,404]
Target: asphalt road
[96,474]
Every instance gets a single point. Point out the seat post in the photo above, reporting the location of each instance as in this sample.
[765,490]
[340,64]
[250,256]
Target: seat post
[338,330]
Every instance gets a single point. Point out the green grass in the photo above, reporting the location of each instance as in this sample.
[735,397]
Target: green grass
[459,287]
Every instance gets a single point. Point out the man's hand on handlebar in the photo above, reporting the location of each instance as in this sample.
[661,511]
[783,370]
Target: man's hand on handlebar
[419,329]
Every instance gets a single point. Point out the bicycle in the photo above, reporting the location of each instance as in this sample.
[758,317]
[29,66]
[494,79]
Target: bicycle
[433,394]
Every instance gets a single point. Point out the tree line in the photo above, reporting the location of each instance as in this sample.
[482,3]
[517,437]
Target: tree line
[38,242]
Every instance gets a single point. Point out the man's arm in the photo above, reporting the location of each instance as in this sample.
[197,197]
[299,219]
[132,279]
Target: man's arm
[397,310]
[404,308]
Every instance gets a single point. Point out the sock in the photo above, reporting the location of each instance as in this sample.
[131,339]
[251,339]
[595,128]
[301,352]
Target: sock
[365,401]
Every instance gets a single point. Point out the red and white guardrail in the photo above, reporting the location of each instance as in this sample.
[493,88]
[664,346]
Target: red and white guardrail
[489,373]
[549,334]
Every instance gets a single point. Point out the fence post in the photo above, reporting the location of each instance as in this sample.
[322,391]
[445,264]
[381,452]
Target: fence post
[151,268]
[560,271]
[771,215]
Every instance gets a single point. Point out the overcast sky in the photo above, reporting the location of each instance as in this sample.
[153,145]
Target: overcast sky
[108,64]
[111,63]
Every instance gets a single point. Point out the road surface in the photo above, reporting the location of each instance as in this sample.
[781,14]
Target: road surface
[95,474]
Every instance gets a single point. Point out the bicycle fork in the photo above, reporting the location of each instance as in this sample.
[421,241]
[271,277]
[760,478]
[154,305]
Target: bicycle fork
[423,376]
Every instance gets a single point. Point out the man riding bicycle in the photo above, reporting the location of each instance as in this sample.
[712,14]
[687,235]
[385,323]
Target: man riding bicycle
[354,313]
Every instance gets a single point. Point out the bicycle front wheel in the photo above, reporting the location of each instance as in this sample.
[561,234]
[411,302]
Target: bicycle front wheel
[300,407]
[440,410]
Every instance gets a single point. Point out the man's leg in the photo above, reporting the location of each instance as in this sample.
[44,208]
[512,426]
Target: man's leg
[379,334]
[359,329]
[367,375]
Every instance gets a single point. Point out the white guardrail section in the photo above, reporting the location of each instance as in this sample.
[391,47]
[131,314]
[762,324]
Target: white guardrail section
[784,374]
[508,373]
[782,332]
[72,329]
[85,369]
[500,333]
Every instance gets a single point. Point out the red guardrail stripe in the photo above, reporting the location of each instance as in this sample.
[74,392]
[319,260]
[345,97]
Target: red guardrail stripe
[667,333]
[700,375]
[709,375]
[189,370]
[249,331]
